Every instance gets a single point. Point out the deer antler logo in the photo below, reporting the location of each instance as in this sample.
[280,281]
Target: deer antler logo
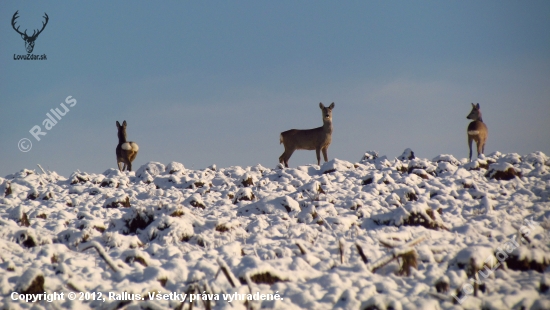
[29,40]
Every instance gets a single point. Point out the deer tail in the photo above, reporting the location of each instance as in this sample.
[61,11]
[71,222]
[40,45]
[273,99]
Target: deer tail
[281,139]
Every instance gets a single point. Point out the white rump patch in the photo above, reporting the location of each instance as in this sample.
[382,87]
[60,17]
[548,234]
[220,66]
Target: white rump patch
[473,132]
[127,146]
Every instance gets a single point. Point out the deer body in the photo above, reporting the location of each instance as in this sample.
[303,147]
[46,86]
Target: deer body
[477,130]
[317,139]
[126,151]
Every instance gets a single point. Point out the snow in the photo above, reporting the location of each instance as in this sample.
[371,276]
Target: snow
[336,165]
[408,154]
[295,232]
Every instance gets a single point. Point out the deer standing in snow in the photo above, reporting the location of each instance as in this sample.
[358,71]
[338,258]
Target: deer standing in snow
[476,130]
[309,139]
[126,151]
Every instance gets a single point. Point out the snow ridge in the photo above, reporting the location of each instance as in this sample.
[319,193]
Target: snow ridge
[407,233]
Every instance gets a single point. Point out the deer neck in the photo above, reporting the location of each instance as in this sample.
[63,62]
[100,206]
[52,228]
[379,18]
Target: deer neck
[327,126]
[121,138]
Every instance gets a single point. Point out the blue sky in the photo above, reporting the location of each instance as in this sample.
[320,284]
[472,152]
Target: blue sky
[215,82]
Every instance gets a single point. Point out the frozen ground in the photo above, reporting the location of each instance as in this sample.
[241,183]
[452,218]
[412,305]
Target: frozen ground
[404,233]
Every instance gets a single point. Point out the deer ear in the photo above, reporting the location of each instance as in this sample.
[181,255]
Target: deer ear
[473,105]
[124,123]
[331,106]
[477,106]
[321,105]
[117,124]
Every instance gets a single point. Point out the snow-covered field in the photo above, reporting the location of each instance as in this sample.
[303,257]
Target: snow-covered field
[403,233]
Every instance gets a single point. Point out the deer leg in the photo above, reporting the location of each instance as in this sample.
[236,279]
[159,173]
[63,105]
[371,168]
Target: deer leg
[470,145]
[325,154]
[286,156]
[318,153]
[289,153]
[282,158]
[119,164]
[130,166]
[479,148]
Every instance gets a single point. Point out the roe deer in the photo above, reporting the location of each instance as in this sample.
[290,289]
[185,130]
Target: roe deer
[476,130]
[126,151]
[309,139]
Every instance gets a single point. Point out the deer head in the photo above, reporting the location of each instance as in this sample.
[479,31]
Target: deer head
[475,114]
[29,40]
[327,111]
[121,131]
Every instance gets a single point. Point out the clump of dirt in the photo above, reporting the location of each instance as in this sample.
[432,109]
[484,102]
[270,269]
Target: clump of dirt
[8,190]
[515,263]
[508,174]
[409,260]
[442,285]
[124,202]
[79,179]
[36,286]
[411,196]
[109,183]
[420,172]
[26,239]
[33,195]
[199,184]
[419,219]
[244,194]
[139,220]
[408,154]
[24,220]
[139,259]
[197,204]
[263,278]
[247,182]
[177,213]
[367,181]
[411,216]
[222,228]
